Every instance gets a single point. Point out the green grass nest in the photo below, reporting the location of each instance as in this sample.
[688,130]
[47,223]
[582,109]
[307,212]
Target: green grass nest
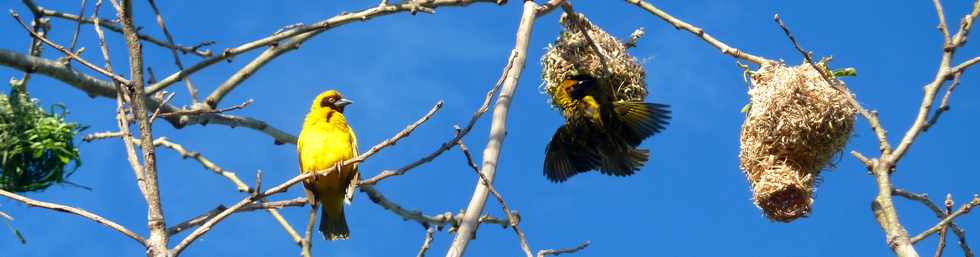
[36,146]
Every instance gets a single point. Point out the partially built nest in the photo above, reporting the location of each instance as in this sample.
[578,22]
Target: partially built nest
[573,54]
[796,125]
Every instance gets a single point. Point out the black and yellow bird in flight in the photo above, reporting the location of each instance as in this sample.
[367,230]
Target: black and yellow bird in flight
[600,133]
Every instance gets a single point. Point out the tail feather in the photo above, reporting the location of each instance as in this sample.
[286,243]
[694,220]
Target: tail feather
[641,120]
[333,224]
[624,162]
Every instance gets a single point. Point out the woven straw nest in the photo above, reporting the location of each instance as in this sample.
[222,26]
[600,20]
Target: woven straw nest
[572,54]
[796,125]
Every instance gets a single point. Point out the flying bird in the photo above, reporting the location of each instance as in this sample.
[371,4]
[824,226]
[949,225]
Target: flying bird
[600,133]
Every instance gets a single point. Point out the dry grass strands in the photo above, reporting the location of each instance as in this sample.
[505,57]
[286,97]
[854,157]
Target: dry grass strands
[797,123]
[572,54]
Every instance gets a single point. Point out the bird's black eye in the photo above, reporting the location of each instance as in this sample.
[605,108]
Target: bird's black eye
[578,91]
[327,101]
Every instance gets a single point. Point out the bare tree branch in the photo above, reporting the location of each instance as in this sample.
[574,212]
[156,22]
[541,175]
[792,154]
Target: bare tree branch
[200,219]
[440,220]
[70,54]
[426,243]
[76,211]
[170,39]
[581,246]
[943,74]
[40,25]
[944,104]
[452,142]
[115,27]
[158,240]
[924,199]
[513,217]
[949,218]
[679,24]
[306,247]
[498,129]
[78,27]
[96,87]
[942,233]
[184,153]
[296,37]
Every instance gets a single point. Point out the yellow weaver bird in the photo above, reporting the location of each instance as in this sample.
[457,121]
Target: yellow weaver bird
[599,133]
[326,142]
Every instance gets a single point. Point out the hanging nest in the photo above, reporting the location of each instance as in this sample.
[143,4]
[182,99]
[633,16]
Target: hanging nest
[795,126]
[36,147]
[572,54]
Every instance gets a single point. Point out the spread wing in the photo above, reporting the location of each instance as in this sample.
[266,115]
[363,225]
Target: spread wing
[569,154]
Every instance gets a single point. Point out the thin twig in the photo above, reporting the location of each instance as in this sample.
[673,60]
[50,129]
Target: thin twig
[943,74]
[942,233]
[579,22]
[296,37]
[513,217]
[78,27]
[163,103]
[199,111]
[944,104]
[285,225]
[40,25]
[924,199]
[70,54]
[885,147]
[200,219]
[942,21]
[306,248]
[103,88]
[699,32]
[101,135]
[949,218]
[116,27]
[867,162]
[80,212]
[441,220]
[170,39]
[581,246]
[452,142]
[544,9]
[427,242]
[184,153]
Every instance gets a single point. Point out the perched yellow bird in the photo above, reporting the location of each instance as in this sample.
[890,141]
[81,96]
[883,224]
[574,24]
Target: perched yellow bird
[326,142]
[600,132]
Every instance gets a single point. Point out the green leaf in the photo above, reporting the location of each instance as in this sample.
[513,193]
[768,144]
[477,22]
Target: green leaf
[20,237]
[846,72]
[747,108]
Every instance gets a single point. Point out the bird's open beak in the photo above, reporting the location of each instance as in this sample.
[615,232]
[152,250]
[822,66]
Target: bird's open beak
[343,102]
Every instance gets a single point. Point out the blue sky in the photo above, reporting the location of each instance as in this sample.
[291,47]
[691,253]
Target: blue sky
[691,199]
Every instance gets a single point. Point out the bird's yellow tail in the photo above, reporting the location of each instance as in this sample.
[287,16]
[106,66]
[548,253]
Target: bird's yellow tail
[333,223]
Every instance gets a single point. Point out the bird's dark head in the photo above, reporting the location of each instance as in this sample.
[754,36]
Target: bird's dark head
[331,99]
[578,85]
